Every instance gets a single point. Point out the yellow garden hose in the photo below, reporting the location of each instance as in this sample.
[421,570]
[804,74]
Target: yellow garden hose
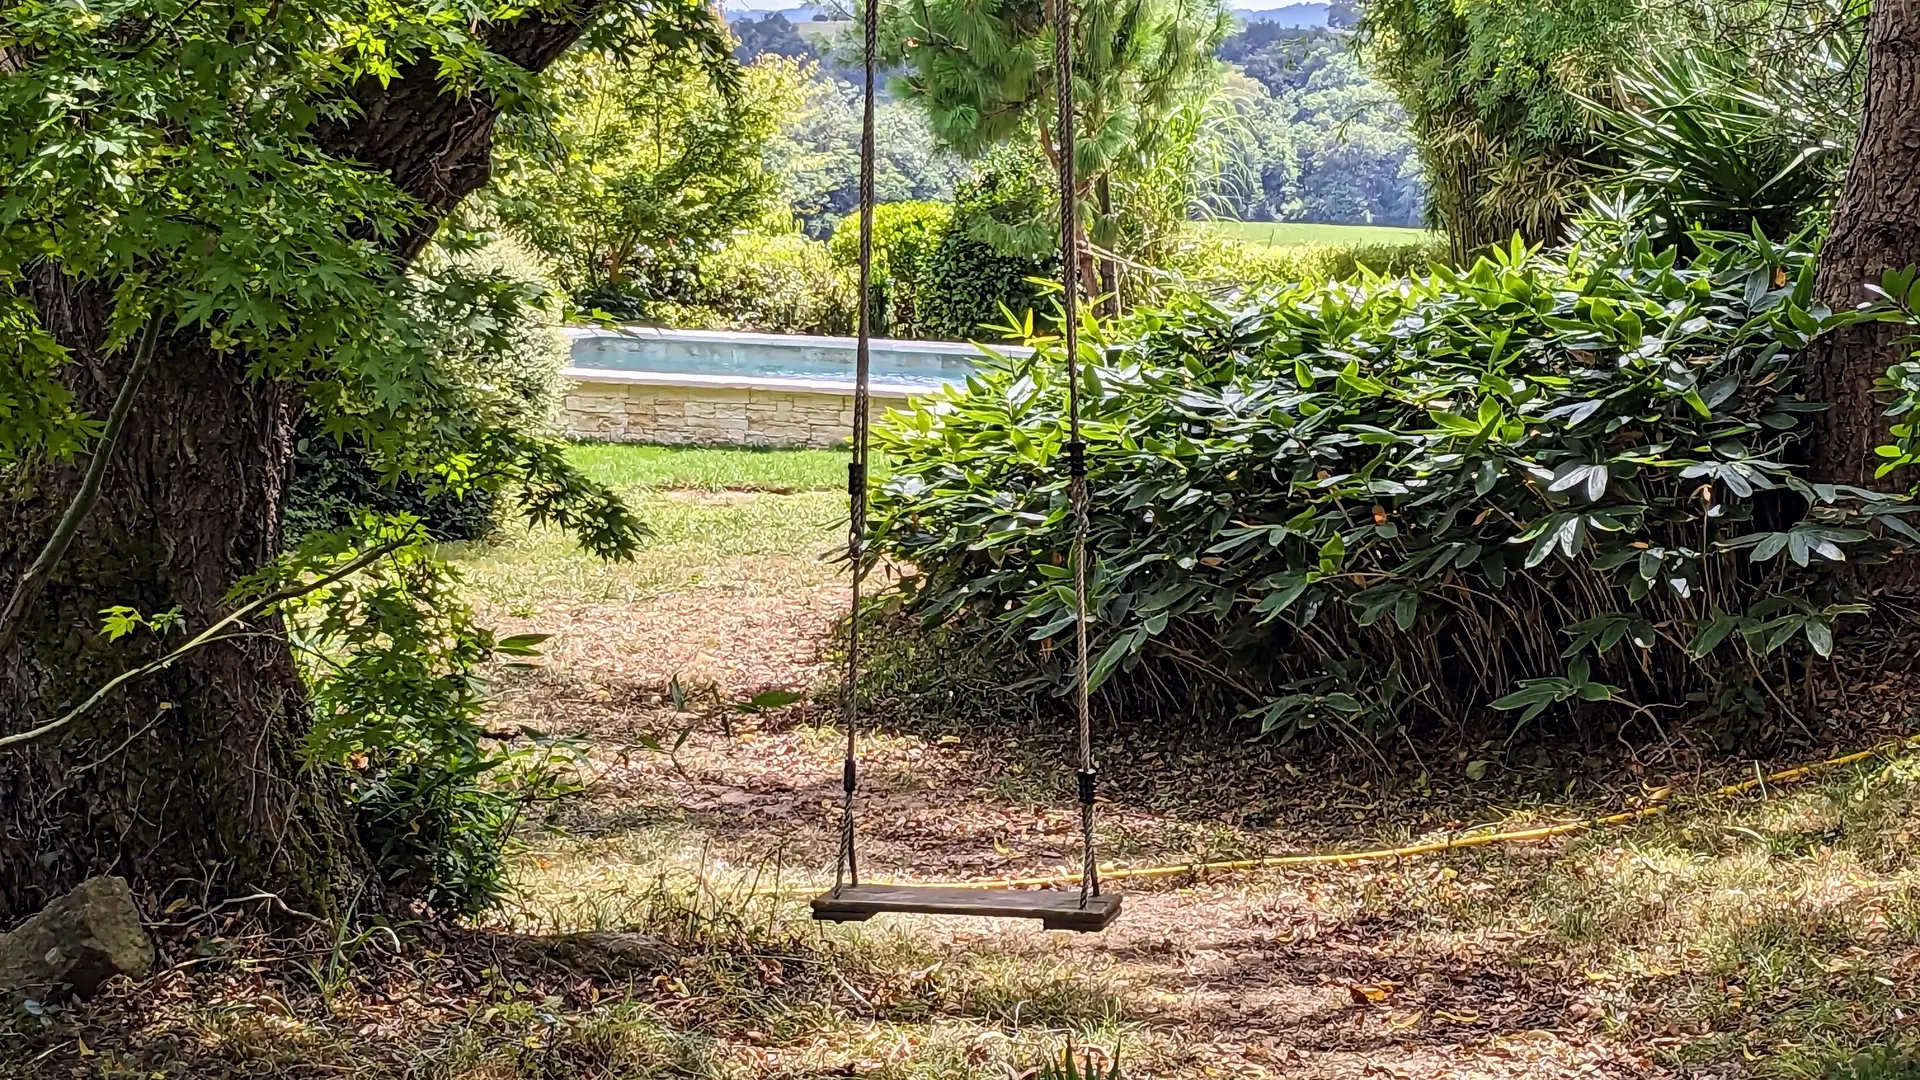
[1659,802]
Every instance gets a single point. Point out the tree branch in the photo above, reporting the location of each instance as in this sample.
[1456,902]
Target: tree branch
[206,637]
[25,591]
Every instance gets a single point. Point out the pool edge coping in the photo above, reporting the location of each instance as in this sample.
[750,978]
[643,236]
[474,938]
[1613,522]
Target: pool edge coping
[796,341]
[694,380]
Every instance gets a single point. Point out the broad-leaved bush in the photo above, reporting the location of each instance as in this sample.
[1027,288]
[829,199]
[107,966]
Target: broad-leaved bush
[1541,489]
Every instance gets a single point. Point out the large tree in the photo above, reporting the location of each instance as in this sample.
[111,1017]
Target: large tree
[657,161]
[1876,228]
[983,71]
[1492,89]
[205,214]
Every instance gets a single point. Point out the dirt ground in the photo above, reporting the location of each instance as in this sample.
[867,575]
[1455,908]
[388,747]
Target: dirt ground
[1257,976]
[1450,967]
[1774,936]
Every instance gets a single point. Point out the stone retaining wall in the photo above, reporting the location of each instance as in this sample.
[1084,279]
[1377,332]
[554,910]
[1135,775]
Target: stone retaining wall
[629,406]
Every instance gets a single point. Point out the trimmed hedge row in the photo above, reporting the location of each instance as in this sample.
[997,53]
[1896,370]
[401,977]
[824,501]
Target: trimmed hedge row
[1207,260]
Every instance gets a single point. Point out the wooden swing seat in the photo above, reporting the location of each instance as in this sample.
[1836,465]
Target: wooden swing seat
[1055,908]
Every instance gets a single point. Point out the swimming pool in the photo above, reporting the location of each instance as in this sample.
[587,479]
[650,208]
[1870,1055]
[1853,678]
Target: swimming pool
[922,365]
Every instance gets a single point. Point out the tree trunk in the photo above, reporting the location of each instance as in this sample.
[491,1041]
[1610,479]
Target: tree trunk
[190,777]
[190,782]
[1109,266]
[1876,228]
[1090,278]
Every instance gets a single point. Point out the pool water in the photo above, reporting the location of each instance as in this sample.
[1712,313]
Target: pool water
[923,364]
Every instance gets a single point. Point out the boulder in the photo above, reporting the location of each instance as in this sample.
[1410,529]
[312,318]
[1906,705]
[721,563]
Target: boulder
[76,943]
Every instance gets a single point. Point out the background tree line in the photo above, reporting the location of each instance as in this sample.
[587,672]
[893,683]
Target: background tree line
[1184,135]
[1308,136]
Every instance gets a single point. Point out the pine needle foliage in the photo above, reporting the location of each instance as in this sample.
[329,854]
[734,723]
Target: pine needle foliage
[983,71]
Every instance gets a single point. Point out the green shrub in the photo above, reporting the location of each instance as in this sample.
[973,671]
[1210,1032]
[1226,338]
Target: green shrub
[905,235]
[1543,485]
[491,335]
[1710,143]
[1209,260]
[392,656]
[393,660]
[332,482]
[993,244]
[772,283]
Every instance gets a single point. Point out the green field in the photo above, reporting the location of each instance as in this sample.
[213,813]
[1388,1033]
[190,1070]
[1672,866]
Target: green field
[1293,233]
[821,30]
[715,468]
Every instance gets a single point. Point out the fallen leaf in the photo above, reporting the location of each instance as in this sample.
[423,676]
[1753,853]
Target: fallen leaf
[1369,993]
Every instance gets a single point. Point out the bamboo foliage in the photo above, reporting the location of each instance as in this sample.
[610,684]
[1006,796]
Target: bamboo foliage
[1493,92]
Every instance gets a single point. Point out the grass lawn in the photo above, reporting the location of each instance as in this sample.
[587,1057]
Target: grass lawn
[713,468]
[741,521]
[1292,233]
[821,30]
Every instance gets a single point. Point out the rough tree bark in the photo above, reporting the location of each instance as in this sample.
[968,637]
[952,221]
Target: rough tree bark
[1876,228]
[191,779]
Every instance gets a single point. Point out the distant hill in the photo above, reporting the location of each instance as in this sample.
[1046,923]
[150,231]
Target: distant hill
[1292,15]
[804,13]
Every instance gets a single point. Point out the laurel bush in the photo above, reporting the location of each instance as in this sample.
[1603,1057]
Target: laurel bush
[1543,488]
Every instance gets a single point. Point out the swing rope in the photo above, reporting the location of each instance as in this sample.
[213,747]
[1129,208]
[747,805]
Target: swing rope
[1064,144]
[846,866]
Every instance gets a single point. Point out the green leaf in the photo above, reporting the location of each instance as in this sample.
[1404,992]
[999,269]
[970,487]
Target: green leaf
[520,644]
[1406,609]
[1711,635]
[118,622]
[1820,636]
[774,699]
[1289,589]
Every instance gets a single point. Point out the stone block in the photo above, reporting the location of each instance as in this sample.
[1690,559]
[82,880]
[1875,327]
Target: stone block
[76,943]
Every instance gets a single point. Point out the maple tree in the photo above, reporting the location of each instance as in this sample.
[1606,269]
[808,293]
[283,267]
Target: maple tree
[206,213]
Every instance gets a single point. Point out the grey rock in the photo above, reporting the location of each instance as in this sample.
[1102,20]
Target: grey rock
[76,943]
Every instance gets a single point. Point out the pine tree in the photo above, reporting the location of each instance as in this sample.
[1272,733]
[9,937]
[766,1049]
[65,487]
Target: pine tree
[983,70]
